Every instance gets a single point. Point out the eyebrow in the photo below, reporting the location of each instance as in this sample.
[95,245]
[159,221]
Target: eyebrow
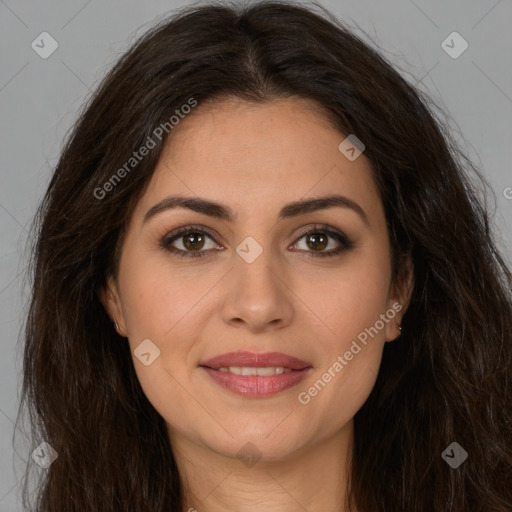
[223,212]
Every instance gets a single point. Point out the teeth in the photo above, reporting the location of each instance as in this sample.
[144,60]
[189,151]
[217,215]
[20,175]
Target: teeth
[264,371]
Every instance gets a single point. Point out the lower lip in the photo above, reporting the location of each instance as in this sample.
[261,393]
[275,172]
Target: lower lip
[256,386]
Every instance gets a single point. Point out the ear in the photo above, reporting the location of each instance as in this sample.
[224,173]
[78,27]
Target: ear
[109,297]
[400,297]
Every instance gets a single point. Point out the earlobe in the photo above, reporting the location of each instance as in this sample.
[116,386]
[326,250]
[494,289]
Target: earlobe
[393,330]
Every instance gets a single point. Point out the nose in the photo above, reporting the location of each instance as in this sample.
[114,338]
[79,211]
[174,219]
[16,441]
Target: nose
[258,296]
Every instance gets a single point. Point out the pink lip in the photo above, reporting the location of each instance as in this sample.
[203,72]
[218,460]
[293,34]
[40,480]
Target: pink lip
[253,360]
[256,386]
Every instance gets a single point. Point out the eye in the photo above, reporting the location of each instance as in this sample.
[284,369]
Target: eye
[193,242]
[317,239]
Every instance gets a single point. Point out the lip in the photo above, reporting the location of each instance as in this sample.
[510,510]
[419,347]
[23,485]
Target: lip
[254,360]
[256,386]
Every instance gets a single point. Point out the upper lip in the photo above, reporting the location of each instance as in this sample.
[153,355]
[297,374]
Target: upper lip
[253,360]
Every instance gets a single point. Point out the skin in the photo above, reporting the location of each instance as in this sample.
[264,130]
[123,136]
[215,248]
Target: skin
[255,159]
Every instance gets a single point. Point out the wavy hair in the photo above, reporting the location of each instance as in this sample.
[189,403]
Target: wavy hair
[446,379]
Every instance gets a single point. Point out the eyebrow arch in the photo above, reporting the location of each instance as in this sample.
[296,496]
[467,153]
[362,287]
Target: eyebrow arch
[223,212]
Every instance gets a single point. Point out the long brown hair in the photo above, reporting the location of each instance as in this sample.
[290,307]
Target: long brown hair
[446,379]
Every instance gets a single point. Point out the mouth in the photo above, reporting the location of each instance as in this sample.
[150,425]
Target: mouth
[256,375]
[262,371]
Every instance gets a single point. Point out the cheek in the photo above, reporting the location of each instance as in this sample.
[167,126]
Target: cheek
[161,307]
[170,308]
[156,300]
[350,300]
[352,340]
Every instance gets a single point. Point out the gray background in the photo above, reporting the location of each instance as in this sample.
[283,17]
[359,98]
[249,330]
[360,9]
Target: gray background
[39,99]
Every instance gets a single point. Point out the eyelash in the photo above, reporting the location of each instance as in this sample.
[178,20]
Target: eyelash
[345,242]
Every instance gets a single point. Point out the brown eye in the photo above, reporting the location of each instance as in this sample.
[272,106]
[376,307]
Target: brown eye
[318,239]
[188,241]
[193,241]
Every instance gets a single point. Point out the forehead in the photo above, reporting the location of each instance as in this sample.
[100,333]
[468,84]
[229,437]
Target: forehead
[257,157]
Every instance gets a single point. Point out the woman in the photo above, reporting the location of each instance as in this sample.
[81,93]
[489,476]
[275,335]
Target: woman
[264,281]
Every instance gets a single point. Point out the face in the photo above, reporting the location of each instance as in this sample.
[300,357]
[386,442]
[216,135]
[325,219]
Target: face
[313,283]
